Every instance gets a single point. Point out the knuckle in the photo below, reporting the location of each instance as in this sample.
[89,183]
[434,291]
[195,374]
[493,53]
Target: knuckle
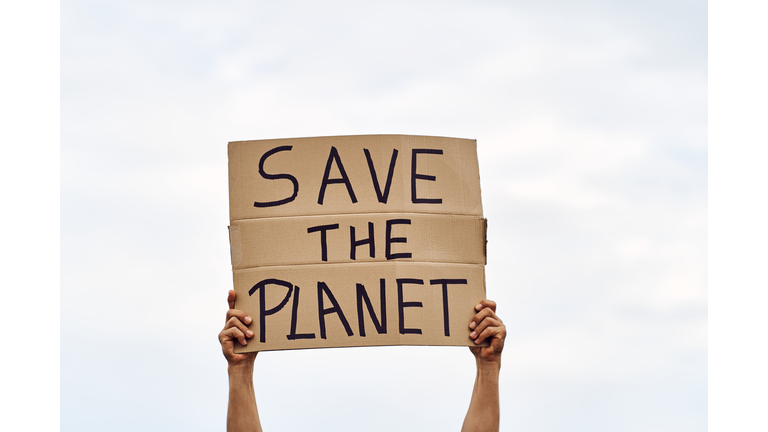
[243,327]
[234,312]
[233,333]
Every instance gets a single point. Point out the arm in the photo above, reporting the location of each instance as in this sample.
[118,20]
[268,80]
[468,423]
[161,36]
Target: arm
[483,413]
[242,414]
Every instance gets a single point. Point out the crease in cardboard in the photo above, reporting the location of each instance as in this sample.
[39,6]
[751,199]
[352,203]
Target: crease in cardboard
[340,266]
[235,245]
[371,214]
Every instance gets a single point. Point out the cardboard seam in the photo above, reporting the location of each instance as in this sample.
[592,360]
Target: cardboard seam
[473,216]
[346,264]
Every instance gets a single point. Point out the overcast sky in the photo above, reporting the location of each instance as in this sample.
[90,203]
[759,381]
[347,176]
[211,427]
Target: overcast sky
[591,123]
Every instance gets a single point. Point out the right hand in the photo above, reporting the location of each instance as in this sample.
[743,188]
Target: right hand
[236,329]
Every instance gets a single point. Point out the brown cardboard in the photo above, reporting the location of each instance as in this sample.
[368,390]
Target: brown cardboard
[429,238]
[293,206]
[302,167]
[342,280]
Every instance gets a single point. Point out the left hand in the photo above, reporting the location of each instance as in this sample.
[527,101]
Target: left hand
[487,326]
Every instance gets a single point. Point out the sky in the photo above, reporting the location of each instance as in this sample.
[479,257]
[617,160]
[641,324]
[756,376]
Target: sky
[591,124]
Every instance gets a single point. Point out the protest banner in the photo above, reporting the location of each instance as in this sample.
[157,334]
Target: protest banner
[356,240]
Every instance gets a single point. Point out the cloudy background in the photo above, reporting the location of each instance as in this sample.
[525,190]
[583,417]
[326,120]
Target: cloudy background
[590,118]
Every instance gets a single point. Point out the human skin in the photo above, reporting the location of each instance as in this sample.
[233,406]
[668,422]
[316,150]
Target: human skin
[483,412]
[242,413]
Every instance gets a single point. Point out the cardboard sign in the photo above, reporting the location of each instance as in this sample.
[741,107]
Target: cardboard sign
[356,240]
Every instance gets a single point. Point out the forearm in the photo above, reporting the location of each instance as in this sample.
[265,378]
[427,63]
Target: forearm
[483,412]
[242,414]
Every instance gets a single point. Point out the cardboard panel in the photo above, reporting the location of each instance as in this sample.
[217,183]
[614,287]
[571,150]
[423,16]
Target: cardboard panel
[332,175]
[417,251]
[344,239]
[425,304]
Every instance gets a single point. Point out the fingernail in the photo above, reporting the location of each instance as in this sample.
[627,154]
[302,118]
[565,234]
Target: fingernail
[473,335]
[472,325]
[249,333]
[247,319]
[479,306]
[476,340]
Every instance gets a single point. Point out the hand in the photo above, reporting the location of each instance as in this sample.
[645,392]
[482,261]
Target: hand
[234,329]
[487,326]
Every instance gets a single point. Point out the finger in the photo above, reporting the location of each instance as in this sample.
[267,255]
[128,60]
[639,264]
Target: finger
[231,298]
[233,333]
[230,334]
[484,324]
[480,316]
[486,304]
[491,332]
[242,316]
[235,322]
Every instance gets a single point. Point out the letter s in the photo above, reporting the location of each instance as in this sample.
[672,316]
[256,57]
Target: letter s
[276,177]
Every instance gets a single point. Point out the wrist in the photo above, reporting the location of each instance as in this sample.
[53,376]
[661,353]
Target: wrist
[240,369]
[488,366]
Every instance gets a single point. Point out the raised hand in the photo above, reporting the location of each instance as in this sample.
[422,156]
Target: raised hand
[487,326]
[235,329]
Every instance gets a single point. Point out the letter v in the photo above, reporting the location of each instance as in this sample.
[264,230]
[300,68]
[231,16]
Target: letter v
[382,197]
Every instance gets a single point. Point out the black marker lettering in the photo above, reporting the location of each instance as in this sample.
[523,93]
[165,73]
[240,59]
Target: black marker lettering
[415,176]
[390,239]
[382,197]
[276,177]
[402,305]
[444,283]
[362,295]
[323,240]
[322,287]
[334,156]
[368,241]
[261,287]
[294,317]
